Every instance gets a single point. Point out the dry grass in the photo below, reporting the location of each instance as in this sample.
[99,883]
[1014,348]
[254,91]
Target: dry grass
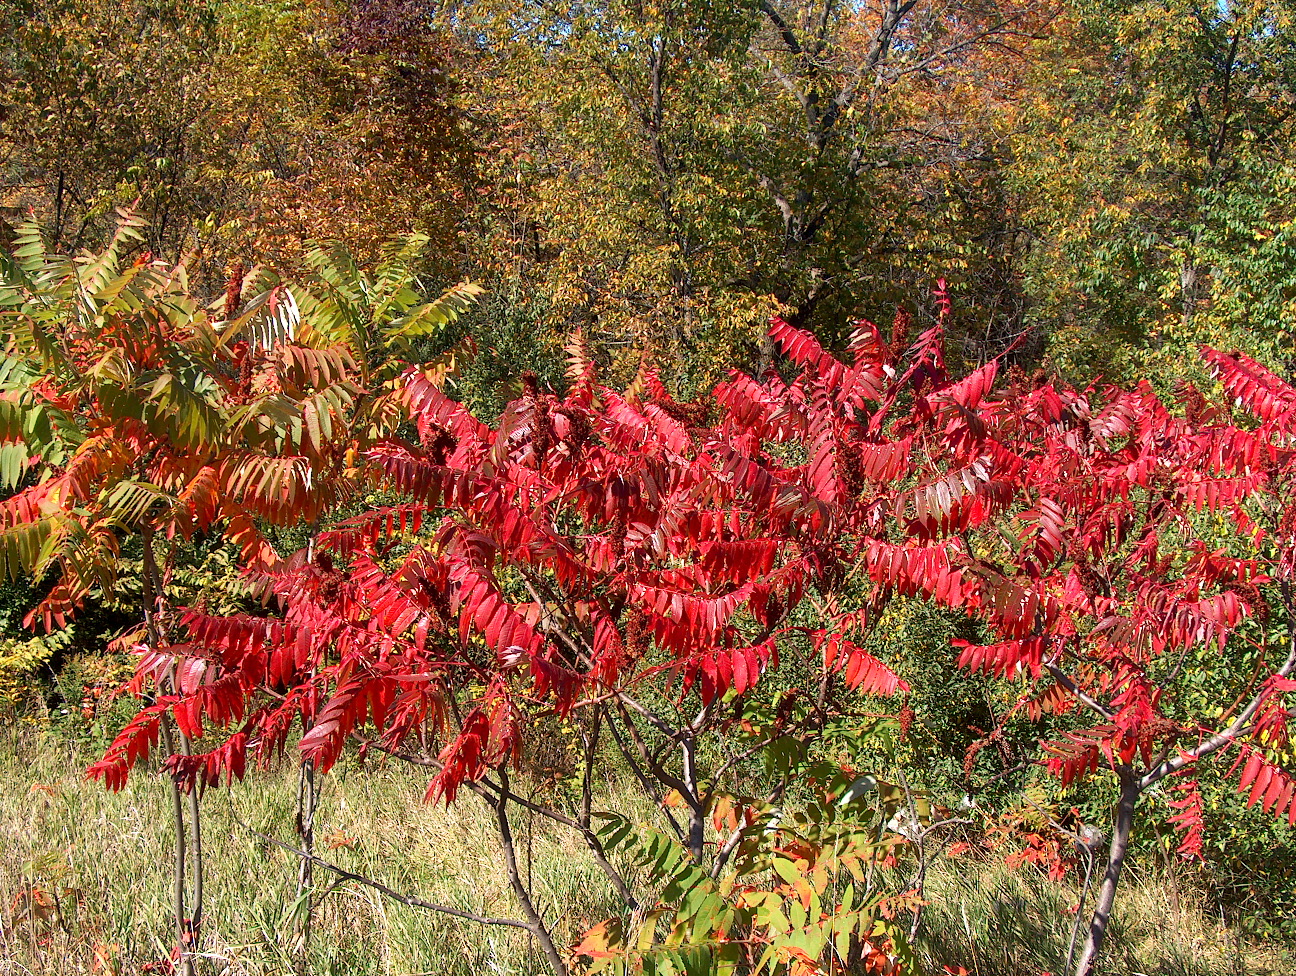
[997,922]
[106,858]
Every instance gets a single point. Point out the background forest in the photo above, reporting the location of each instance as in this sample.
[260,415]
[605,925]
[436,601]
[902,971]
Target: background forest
[414,520]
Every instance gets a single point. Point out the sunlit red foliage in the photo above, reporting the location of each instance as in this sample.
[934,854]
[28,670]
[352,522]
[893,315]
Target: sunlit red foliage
[589,542]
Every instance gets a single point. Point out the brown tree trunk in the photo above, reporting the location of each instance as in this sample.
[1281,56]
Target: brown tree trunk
[179,867]
[1129,794]
[187,865]
[535,924]
[308,790]
[307,800]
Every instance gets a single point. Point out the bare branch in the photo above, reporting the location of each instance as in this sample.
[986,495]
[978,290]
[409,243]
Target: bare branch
[1235,730]
[637,768]
[1067,682]
[490,791]
[381,888]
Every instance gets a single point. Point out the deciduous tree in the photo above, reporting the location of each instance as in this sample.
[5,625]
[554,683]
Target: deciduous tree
[667,174]
[630,563]
[1153,168]
[133,417]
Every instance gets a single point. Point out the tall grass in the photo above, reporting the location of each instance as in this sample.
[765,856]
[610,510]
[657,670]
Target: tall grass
[993,921]
[107,859]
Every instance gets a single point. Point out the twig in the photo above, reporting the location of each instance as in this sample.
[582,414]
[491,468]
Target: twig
[378,886]
[490,791]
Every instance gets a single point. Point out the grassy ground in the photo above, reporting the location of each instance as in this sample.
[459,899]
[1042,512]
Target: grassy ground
[106,856]
[994,922]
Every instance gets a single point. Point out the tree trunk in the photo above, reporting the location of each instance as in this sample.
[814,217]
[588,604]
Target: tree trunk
[308,789]
[697,815]
[187,859]
[1189,274]
[535,924]
[178,861]
[196,855]
[1130,790]
[307,800]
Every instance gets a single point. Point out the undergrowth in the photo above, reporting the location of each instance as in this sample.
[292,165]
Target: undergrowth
[85,876]
[85,880]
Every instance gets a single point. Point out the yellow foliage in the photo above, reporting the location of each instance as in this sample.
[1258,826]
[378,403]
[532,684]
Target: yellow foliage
[20,660]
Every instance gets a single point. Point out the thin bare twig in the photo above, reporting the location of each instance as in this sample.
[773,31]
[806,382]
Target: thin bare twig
[378,886]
